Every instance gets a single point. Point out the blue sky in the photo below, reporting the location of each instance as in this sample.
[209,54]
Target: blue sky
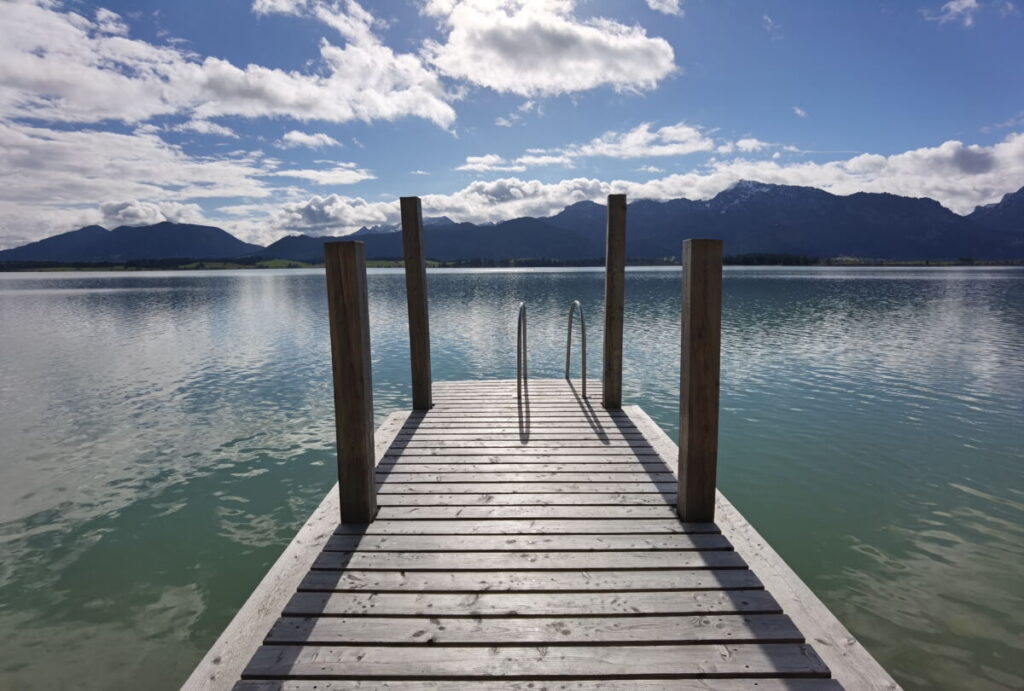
[270,117]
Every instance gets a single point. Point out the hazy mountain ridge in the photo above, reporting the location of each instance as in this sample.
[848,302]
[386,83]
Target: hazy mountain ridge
[750,217]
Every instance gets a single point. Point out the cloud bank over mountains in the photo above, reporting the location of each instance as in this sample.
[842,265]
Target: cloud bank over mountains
[100,125]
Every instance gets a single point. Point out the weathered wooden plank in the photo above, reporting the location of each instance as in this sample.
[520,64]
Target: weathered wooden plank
[609,471]
[604,684]
[523,451]
[400,475]
[527,499]
[527,561]
[392,459]
[388,487]
[566,511]
[756,628]
[416,299]
[516,604]
[349,319]
[526,527]
[499,445]
[226,658]
[493,435]
[536,662]
[537,543]
[530,581]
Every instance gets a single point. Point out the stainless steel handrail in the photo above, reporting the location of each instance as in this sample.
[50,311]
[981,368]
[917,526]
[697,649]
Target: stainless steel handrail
[573,308]
[521,351]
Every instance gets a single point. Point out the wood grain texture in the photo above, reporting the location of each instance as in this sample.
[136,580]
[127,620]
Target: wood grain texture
[699,368]
[416,298]
[614,301]
[760,628]
[527,527]
[527,561]
[524,543]
[537,662]
[349,319]
[530,581]
[605,684]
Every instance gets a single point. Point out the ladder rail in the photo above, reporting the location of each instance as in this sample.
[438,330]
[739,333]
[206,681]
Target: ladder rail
[521,364]
[573,309]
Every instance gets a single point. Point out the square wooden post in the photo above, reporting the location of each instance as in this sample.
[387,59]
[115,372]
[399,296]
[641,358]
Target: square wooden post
[614,301]
[349,317]
[699,370]
[416,296]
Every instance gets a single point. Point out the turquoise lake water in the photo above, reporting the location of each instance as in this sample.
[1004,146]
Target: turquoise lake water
[163,435]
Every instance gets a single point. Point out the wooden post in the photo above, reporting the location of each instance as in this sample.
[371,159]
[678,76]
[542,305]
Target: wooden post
[614,296]
[699,367]
[349,319]
[416,295]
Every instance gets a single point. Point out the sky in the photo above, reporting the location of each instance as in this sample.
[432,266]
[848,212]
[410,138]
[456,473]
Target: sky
[277,117]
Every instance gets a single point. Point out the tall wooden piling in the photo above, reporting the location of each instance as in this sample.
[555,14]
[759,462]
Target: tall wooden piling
[349,318]
[699,370]
[416,296]
[614,301]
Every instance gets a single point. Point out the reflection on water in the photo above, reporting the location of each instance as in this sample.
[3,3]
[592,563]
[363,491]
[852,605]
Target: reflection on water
[162,435]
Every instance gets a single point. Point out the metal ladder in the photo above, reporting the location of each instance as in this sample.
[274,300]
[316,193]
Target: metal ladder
[521,364]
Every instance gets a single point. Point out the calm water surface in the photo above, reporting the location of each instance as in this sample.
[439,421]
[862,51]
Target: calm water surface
[162,436]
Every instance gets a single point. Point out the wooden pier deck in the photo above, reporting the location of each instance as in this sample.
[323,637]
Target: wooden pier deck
[501,537]
[531,545]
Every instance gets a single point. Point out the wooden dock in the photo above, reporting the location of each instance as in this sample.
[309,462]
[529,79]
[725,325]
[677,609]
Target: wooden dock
[516,534]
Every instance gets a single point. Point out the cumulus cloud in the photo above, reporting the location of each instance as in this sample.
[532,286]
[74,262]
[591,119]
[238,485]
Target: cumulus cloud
[341,174]
[61,66]
[962,11]
[799,112]
[295,139]
[205,127]
[136,213]
[489,162]
[542,49]
[642,141]
[666,6]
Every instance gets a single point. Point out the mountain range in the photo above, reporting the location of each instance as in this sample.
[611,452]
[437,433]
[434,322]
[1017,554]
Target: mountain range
[750,217]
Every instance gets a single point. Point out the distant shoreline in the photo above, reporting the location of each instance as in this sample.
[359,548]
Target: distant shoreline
[735,260]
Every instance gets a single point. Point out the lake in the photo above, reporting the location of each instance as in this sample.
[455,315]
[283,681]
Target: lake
[163,435]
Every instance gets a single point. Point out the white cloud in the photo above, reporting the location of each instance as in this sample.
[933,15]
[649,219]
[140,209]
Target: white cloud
[295,139]
[750,144]
[649,169]
[205,127]
[136,213]
[418,172]
[672,140]
[541,49]
[532,160]
[666,6]
[64,177]
[954,11]
[489,162]
[341,174]
[61,66]
[799,112]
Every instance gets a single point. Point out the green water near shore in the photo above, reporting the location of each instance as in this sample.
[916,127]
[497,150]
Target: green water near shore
[163,434]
